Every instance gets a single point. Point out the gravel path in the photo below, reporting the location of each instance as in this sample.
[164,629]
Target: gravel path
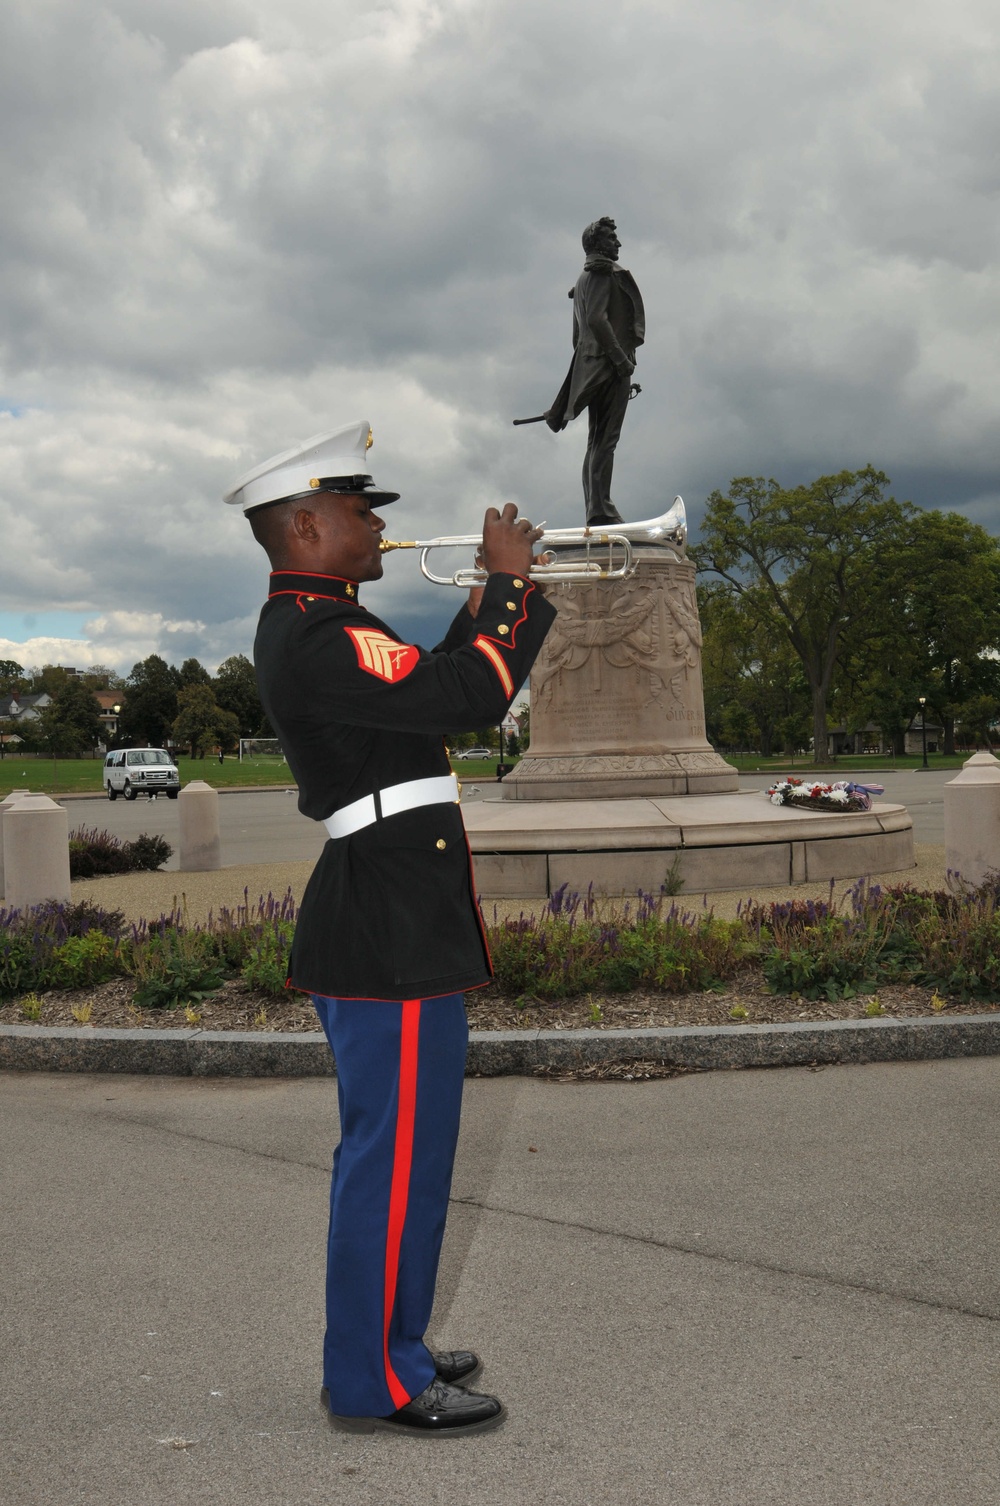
[146,895]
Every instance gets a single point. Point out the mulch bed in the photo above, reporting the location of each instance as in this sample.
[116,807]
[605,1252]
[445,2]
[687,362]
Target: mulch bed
[236,1007]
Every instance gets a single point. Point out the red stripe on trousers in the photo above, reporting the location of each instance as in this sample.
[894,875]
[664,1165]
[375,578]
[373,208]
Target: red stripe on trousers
[400,1189]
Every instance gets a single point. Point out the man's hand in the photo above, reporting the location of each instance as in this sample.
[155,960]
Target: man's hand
[507,541]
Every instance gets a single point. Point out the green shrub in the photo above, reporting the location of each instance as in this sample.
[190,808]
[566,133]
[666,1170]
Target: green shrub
[266,964]
[93,853]
[559,955]
[147,852]
[84,961]
[174,968]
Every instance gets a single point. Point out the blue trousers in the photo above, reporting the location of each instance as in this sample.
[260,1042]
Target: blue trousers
[400,1070]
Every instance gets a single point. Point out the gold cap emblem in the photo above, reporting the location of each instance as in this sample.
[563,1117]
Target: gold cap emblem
[369,441]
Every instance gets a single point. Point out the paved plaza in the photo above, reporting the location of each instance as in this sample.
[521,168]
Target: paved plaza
[734,1289]
[257,827]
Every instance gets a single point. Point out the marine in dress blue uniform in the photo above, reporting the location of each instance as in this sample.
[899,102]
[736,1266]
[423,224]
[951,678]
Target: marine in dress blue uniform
[389,934]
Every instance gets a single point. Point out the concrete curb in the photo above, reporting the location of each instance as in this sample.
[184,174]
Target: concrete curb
[499,1053]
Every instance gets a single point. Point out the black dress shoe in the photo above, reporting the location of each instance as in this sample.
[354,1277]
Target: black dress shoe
[442,1411]
[454,1365]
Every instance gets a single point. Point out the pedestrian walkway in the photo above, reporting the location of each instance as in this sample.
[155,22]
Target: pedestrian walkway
[736,1289]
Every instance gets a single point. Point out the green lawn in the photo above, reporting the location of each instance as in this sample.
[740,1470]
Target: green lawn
[63,776]
[847,763]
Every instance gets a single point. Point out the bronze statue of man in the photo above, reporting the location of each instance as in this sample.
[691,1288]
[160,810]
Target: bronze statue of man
[609,323]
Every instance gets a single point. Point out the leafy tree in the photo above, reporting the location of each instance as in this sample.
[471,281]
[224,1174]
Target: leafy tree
[932,629]
[235,689]
[201,722]
[150,704]
[980,717]
[49,679]
[805,562]
[102,677]
[953,610]
[11,677]
[71,721]
[192,672]
[755,692]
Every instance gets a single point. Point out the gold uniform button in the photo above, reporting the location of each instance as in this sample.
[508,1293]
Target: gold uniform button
[310,598]
[441,844]
[503,628]
[512,606]
[518,584]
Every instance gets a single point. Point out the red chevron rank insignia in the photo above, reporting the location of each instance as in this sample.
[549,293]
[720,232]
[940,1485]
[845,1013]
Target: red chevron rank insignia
[381,655]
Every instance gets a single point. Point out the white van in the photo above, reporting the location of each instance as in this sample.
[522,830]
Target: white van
[136,771]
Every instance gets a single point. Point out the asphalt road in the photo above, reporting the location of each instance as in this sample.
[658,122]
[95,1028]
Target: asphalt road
[267,827]
[736,1289]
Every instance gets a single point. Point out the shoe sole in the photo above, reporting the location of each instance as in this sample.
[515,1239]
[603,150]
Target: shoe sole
[383,1425]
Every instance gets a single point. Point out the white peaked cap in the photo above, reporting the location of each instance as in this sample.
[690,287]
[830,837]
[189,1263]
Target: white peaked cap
[333,462]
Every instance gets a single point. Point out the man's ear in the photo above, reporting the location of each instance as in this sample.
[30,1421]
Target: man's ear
[304,525]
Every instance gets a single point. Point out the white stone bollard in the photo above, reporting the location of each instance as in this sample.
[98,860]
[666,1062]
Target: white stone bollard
[35,852]
[972,821]
[198,808]
[5,805]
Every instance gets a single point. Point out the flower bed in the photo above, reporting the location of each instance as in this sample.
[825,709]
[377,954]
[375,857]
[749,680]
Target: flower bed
[879,938]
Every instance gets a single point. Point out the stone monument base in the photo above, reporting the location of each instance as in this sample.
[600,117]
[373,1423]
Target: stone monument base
[595,776]
[617,707]
[527,851]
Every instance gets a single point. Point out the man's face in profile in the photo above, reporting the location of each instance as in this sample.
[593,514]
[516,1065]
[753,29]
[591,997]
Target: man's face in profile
[608,243]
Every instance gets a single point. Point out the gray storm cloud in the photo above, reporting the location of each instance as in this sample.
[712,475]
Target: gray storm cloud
[229,227]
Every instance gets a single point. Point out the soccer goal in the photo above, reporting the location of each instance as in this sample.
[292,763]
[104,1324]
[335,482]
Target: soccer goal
[260,747]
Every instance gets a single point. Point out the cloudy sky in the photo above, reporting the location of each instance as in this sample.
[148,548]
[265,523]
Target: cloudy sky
[227,226]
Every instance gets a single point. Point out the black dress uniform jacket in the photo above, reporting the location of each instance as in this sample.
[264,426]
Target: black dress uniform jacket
[390,912]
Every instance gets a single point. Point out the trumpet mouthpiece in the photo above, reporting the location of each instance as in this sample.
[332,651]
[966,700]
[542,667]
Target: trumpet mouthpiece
[385,545]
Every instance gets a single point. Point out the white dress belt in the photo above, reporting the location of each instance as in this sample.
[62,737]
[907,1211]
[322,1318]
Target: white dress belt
[393,799]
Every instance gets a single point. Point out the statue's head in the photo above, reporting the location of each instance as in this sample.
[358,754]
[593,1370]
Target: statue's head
[602,236]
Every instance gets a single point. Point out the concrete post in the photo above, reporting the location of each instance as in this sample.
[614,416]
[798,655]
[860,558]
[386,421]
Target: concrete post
[35,852]
[198,808]
[5,805]
[972,820]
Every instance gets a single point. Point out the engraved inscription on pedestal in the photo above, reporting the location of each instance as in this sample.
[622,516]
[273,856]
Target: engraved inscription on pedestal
[616,695]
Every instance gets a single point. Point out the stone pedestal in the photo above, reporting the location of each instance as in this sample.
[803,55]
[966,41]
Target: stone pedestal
[5,805]
[200,843]
[35,852]
[972,821]
[617,706]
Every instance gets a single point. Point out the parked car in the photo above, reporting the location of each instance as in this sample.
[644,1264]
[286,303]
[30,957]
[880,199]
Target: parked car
[473,753]
[140,771]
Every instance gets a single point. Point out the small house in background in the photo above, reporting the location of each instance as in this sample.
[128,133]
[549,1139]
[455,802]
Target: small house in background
[110,703]
[21,709]
[913,739]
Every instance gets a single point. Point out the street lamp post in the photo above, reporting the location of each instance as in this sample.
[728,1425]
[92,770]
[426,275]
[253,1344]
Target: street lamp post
[923,731]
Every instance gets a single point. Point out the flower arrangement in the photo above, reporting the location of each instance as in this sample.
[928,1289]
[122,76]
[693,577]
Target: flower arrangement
[841,796]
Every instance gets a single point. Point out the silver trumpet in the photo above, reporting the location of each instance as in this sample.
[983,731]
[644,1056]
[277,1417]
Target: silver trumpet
[616,559]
